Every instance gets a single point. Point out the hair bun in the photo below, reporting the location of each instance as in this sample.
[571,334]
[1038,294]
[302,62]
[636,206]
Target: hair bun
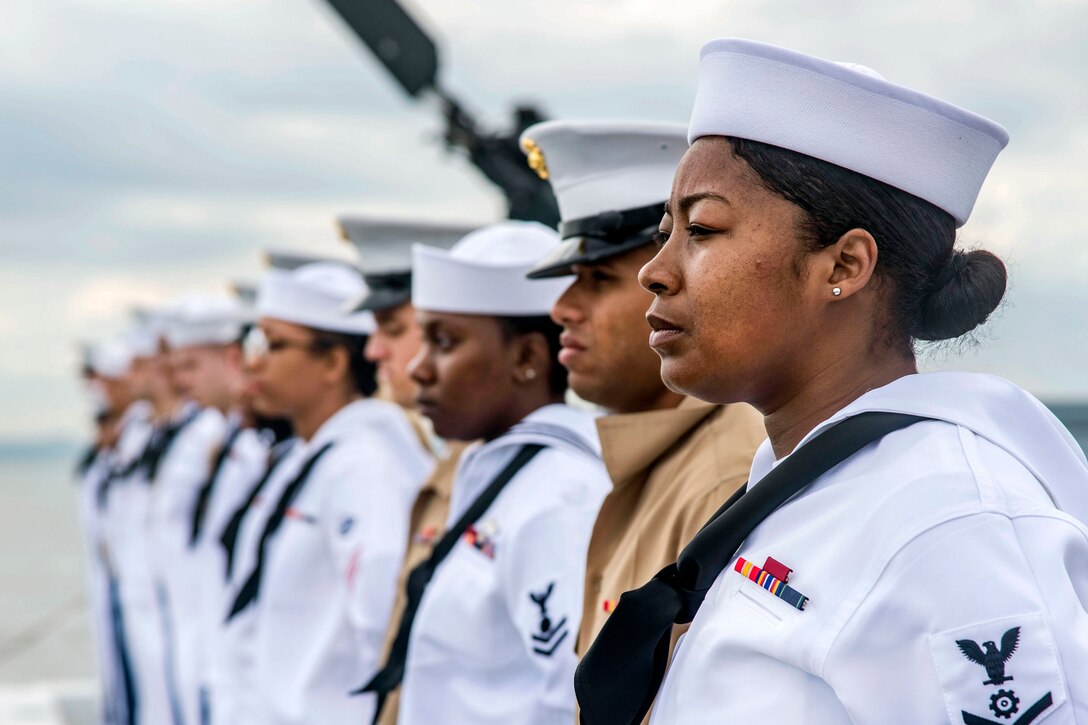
[962,295]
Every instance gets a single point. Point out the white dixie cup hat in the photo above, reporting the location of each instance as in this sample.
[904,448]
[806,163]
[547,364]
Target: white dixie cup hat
[484,273]
[846,115]
[315,295]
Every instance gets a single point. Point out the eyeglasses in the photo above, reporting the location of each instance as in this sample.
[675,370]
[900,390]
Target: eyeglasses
[257,346]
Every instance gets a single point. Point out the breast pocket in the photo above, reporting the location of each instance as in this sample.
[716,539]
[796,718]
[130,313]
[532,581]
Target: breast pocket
[750,598]
[298,567]
[463,614]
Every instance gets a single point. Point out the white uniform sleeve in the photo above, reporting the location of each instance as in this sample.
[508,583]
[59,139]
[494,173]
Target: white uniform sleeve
[543,582]
[981,619]
[366,526]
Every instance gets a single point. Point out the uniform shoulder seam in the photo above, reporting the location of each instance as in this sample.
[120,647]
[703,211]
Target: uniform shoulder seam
[823,654]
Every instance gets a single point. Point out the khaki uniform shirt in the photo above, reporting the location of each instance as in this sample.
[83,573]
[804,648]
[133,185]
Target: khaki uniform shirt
[671,470]
[426,525]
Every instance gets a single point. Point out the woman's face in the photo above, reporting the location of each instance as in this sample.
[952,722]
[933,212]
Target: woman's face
[465,371]
[731,317]
[289,374]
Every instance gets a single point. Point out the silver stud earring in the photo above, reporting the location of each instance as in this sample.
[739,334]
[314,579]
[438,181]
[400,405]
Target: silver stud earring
[530,374]
[836,291]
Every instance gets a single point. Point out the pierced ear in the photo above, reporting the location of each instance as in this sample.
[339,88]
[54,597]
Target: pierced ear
[530,357]
[851,262]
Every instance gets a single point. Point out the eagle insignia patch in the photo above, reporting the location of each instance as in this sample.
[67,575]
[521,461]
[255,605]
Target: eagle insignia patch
[1001,671]
[993,659]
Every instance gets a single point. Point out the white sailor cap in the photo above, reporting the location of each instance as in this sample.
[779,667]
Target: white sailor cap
[204,319]
[611,180]
[314,295]
[110,359]
[846,116]
[385,253]
[484,273]
[149,326]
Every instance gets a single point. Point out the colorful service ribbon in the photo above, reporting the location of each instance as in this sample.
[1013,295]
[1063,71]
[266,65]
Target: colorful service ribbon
[775,586]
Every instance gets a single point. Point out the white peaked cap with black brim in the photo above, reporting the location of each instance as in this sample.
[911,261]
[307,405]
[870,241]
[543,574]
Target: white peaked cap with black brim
[314,295]
[198,319]
[385,254]
[847,116]
[484,273]
[611,180]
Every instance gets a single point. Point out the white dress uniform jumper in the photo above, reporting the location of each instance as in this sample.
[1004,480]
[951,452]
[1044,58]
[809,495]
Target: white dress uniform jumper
[176,571]
[327,574]
[493,640]
[135,428]
[130,501]
[320,549]
[239,465]
[945,571]
[96,475]
[239,538]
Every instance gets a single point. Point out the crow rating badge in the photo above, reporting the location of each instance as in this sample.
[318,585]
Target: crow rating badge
[1004,703]
[550,635]
[1002,671]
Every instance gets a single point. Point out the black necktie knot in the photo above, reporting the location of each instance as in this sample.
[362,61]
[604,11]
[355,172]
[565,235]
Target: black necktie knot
[686,598]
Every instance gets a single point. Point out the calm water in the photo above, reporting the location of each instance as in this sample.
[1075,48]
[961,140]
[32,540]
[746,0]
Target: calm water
[44,626]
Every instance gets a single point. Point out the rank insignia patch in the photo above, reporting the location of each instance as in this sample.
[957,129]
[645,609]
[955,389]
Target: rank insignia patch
[1004,669]
[772,584]
[550,635]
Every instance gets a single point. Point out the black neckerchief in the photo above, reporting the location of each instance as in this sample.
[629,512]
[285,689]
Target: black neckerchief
[251,588]
[229,537]
[160,443]
[200,509]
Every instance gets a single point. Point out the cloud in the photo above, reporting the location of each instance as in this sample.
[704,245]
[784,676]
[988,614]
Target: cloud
[150,147]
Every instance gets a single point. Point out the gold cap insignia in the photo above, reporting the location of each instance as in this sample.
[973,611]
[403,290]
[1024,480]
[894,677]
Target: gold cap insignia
[536,157]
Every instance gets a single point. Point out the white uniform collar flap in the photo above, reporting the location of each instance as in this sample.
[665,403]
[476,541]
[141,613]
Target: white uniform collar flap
[992,408]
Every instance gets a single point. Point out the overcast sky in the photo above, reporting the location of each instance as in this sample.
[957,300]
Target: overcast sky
[151,147]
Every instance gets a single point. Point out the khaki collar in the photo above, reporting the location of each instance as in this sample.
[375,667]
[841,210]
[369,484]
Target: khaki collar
[440,482]
[631,442]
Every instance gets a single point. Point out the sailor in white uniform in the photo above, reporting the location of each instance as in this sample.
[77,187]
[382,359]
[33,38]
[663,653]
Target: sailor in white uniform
[911,548]
[204,335]
[106,371]
[490,637]
[320,549]
[127,496]
[174,469]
